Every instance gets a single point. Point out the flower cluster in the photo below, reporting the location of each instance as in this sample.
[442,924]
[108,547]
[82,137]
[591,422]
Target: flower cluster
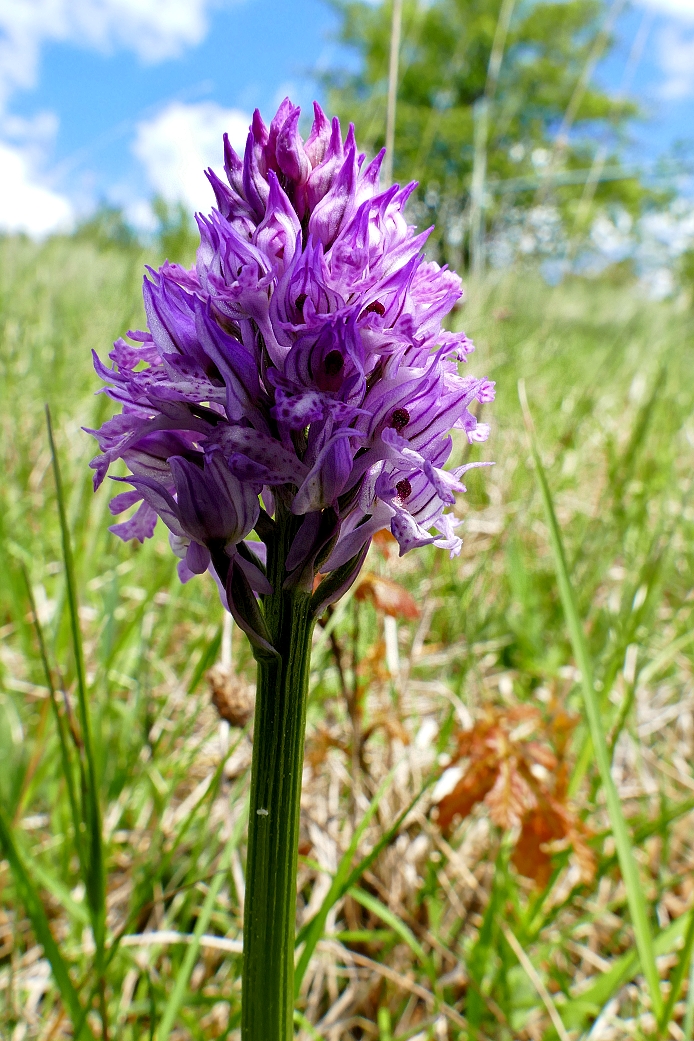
[300,366]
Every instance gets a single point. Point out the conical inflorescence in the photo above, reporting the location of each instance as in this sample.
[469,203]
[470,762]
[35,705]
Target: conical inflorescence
[300,365]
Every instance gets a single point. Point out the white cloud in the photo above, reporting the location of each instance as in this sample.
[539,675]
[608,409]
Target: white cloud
[675,47]
[676,59]
[140,215]
[25,204]
[154,29]
[181,142]
[683,9]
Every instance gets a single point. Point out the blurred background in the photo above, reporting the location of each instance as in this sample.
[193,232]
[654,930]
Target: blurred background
[579,130]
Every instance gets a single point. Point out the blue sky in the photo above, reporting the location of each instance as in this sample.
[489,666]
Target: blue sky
[116,99]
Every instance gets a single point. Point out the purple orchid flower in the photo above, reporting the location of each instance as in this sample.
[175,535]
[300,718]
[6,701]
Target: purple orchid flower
[302,362]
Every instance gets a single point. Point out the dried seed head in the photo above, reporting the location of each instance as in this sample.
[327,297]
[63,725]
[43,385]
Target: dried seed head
[233,698]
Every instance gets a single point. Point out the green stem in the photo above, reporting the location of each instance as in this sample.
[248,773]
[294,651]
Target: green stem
[273,830]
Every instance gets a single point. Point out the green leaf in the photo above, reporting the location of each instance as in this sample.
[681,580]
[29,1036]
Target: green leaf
[60,892]
[688,1023]
[627,862]
[385,1026]
[249,616]
[337,582]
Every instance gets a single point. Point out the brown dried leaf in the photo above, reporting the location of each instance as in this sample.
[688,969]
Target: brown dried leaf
[373,668]
[562,726]
[319,745]
[531,856]
[387,596]
[472,787]
[552,822]
[516,763]
[585,857]
[384,542]
[541,755]
[511,797]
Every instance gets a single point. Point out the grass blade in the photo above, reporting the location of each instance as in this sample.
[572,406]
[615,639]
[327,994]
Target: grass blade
[678,976]
[627,863]
[60,727]
[688,1024]
[302,1022]
[177,996]
[95,879]
[206,797]
[311,933]
[371,903]
[208,658]
[39,921]
[589,1003]
[385,840]
[60,893]
[536,980]
[69,562]
[344,879]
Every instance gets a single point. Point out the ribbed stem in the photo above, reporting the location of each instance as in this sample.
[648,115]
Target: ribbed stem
[273,830]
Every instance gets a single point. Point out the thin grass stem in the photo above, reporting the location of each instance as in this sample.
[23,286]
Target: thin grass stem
[345,879]
[688,1022]
[39,920]
[180,988]
[395,33]
[60,727]
[678,975]
[627,862]
[95,879]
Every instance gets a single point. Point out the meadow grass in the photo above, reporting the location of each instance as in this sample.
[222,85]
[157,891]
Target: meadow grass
[570,595]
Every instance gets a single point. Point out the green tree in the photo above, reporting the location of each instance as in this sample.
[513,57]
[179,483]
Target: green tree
[176,230]
[686,272]
[107,228]
[444,77]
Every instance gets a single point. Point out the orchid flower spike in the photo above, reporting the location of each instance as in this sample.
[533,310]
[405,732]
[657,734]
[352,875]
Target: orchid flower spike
[300,366]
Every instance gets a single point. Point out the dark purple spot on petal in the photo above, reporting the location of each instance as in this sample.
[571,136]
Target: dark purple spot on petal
[333,363]
[404,489]
[375,308]
[400,419]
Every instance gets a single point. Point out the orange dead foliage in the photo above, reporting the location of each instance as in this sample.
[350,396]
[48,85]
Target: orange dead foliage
[384,542]
[394,729]
[516,765]
[319,745]
[372,668]
[387,596]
